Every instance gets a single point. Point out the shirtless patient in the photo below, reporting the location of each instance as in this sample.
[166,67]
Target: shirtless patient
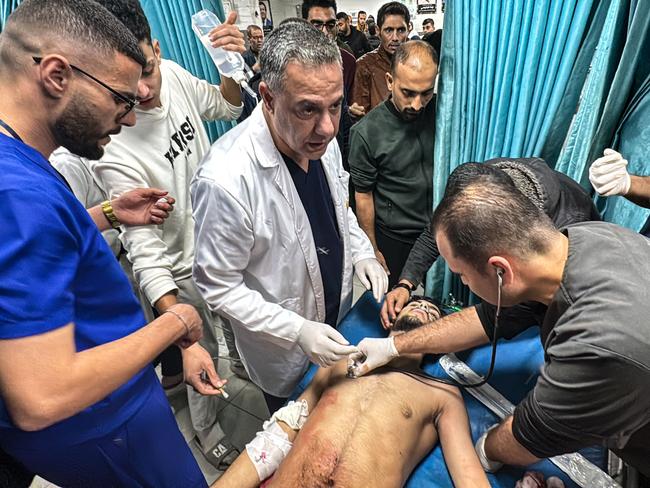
[370,431]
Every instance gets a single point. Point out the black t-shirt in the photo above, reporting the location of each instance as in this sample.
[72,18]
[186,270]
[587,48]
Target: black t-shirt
[316,198]
[593,387]
[393,159]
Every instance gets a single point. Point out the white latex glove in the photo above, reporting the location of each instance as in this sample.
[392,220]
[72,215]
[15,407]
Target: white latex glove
[372,275]
[609,175]
[372,354]
[323,344]
[487,464]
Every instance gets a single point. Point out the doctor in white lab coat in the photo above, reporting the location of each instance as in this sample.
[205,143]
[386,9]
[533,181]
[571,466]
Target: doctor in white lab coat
[255,259]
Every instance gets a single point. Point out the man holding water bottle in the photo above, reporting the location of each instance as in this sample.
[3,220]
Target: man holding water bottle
[163,150]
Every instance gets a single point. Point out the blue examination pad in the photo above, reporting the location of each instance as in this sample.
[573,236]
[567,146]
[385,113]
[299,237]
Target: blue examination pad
[517,367]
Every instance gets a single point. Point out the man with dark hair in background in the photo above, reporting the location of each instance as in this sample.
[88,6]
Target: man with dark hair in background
[370,87]
[391,158]
[428,26]
[351,36]
[373,38]
[361,22]
[80,403]
[163,150]
[255,37]
[343,427]
[322,15]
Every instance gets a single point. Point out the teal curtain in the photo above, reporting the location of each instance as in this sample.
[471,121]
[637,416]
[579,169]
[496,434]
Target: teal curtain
[632,139]
[6,7]
[551,78]
[170,22]
[503,72]
[613,106]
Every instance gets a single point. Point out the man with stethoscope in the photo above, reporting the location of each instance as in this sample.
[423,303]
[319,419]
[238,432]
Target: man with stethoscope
[585,287]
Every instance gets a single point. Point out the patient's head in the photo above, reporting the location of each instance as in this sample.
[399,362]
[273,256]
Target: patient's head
[417,312]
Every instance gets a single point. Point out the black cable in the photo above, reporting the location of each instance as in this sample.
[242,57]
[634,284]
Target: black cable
[229,402]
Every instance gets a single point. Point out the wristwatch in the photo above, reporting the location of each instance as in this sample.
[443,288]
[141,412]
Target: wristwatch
[107,208]
[403,285]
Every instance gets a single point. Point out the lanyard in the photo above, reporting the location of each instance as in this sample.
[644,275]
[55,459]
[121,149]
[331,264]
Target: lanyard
[12,132]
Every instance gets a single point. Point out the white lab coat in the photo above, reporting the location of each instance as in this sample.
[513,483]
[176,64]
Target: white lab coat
[255,260]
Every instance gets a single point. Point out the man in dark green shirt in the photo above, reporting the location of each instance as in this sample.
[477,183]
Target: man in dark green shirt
[391,158]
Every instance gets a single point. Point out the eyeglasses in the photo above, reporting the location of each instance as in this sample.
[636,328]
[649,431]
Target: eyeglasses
[117,96]
[329,25]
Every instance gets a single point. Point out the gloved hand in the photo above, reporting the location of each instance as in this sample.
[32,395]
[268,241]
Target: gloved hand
[372,354]
[609,175]
[324,345]
[372,275]
[488,465]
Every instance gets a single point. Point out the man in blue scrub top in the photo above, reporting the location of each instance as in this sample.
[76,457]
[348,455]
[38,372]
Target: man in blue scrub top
[80,404]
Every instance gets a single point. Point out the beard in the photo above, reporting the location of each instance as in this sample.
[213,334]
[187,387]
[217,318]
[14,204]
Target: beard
[77,129]
[410,115]
[406,323]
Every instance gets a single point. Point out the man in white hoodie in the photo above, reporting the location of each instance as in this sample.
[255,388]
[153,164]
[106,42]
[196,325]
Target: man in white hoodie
[163,150]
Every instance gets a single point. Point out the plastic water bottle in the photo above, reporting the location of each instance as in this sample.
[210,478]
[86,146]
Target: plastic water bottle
[228,63]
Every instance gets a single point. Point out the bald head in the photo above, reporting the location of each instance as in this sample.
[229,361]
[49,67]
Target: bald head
[416,54]
[80,27]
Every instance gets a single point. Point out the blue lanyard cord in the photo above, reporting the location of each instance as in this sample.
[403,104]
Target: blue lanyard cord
[12,132]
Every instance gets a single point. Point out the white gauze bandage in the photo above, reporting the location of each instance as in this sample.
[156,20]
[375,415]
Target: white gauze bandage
[270,446]
[294,414]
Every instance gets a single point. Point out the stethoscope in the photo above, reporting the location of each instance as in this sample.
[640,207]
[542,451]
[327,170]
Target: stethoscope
[420,376]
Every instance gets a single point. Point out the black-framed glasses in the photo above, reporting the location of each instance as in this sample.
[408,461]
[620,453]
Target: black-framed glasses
[329,25]
[117,96]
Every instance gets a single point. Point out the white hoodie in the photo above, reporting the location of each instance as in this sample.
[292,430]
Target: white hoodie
[163,150]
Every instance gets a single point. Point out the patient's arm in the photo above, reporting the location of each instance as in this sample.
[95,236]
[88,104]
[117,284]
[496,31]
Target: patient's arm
[457,447]
[242,473]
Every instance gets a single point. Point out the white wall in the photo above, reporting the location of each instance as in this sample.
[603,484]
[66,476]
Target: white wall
[282,9]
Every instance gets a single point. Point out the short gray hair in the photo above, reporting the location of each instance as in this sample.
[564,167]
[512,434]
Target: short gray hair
[299,42]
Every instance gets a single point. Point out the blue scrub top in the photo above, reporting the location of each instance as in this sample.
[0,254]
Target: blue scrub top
[56,268]
[316,199]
